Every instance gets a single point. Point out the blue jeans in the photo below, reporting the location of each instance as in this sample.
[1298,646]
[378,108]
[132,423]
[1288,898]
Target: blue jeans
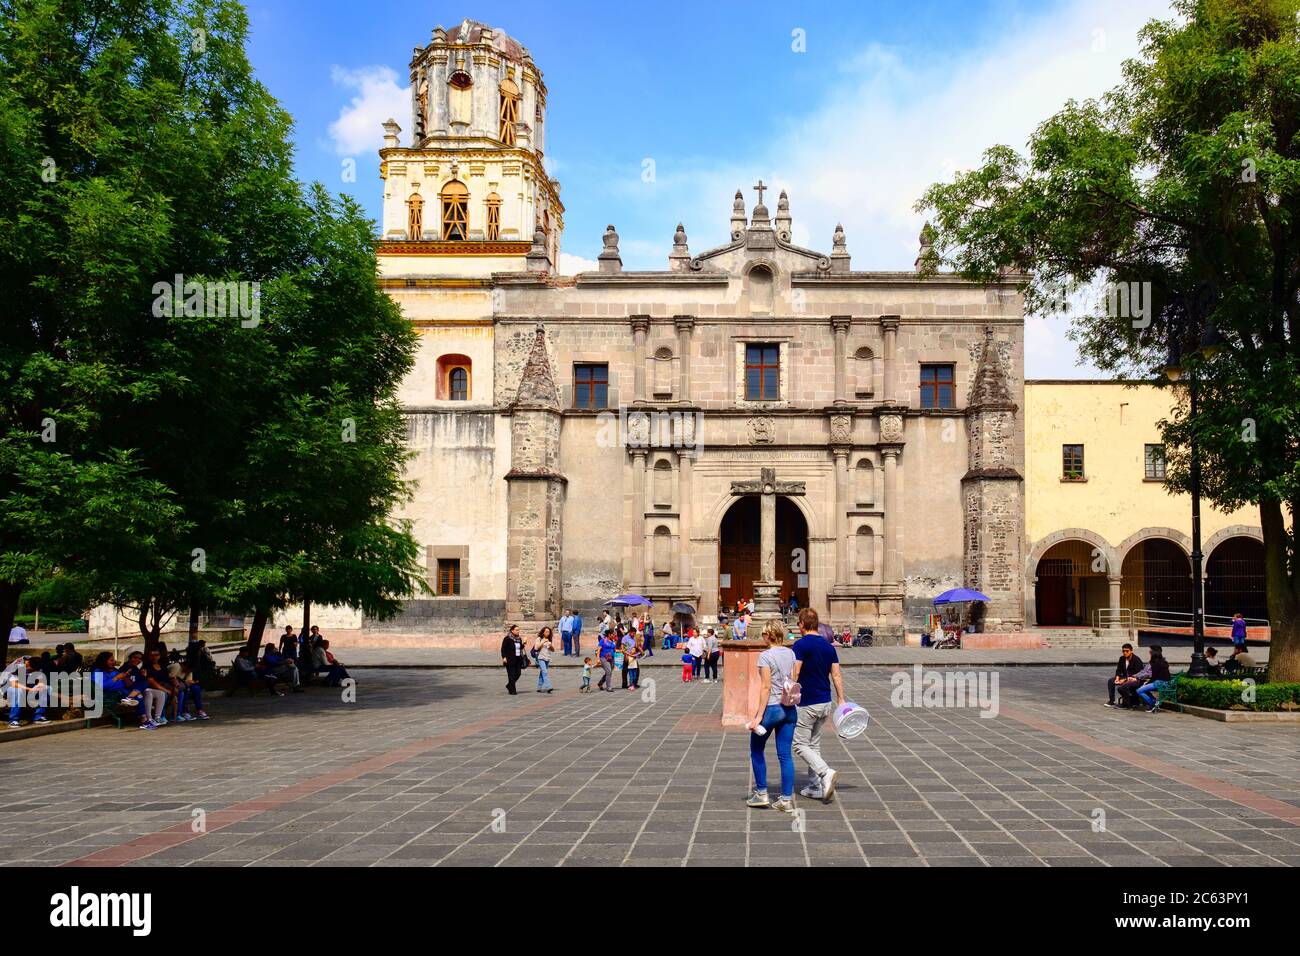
[1147,691]
[189,692]
[543,674]
[566,638]
[780,721]
[17,698]
[695,666]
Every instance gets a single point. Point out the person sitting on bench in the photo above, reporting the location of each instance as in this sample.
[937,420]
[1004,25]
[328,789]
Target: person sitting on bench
[1158,670]
[325,663]
[282,667]
[1212,662]
[245,670]
[1240,660]
[1125,678]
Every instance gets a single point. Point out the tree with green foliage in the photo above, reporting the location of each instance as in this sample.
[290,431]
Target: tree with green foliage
[1179,189]
[191,326]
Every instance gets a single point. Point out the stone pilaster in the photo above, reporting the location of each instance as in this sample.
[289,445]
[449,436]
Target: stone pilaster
[685,327]
[637,576]
[685,470]
[889,358]
[535,495]
[840,325]
[841,517]
[893,517]
[640,327]
[993,493]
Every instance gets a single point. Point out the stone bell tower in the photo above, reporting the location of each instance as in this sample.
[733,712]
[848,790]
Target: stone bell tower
[993,492]
[470,193]
[535,496]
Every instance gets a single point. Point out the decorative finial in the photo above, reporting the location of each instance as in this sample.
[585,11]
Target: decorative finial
[839,250]
[538,259]
[391,131]
[783,221]
[679,258]
[926,257]
[738,221]
[609,258]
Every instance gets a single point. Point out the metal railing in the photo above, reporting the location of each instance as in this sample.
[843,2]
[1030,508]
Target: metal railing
[1154,619]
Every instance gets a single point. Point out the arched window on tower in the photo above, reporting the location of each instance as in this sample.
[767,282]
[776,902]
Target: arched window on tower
[460,97]
[493,203]
[866,550]
[415,216]
[455,212]
[509,112]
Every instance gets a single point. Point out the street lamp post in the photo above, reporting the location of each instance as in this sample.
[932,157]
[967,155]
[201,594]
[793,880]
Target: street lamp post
[1197,668]
[1209,346]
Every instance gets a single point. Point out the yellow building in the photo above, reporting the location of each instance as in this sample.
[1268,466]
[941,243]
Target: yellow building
[1104,537]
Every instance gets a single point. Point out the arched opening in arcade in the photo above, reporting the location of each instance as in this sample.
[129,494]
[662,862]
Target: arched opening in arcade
[739,561]
[1156,576]
[1071,585]
[1234,579]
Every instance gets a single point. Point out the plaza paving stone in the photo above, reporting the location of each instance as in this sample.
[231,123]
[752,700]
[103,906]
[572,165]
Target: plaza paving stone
[441,767]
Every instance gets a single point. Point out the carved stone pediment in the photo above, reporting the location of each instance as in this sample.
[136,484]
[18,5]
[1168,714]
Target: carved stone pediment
[891,427]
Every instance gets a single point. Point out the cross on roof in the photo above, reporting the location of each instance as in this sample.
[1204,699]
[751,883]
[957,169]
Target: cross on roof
[759,189]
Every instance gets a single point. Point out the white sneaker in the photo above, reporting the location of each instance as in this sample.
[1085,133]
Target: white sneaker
[812,790]
[758,799]
[828,784]
[784,804]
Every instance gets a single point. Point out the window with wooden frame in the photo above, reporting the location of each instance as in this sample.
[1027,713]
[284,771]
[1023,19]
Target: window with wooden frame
[455,212]
[415,216]
[1153,459]
[1072,463]
[448,577]
[937,386]
[509,112]
[458,384]
[493,203]
[762,372]
[591,386]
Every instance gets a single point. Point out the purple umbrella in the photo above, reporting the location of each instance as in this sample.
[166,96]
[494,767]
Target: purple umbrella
[960,596]
[629,600]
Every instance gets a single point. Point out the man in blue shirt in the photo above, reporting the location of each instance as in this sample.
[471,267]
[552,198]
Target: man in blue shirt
[817,671]
[576,616]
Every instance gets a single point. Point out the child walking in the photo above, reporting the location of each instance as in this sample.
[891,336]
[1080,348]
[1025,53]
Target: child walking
[688,665]
[586,676]
[633,667]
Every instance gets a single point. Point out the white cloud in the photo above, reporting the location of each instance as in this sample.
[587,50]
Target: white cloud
[572,265]
[378,98]
[895,122]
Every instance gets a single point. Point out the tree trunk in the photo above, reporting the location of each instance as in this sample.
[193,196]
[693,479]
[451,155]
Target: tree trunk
[9,592]
[1283,604]
[256,629]
[194,620]
[306,616]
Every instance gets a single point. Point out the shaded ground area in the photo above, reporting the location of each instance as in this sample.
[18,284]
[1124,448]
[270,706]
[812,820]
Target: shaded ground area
[441,767]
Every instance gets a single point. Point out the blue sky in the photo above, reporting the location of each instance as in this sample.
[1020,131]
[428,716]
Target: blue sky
[884,99]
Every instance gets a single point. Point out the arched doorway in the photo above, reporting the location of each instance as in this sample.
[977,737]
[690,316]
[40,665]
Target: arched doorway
[1234,579]
[1156,575]
[738,546]
[1071,584]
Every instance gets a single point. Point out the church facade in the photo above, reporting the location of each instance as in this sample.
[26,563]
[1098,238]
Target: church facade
[577,437]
